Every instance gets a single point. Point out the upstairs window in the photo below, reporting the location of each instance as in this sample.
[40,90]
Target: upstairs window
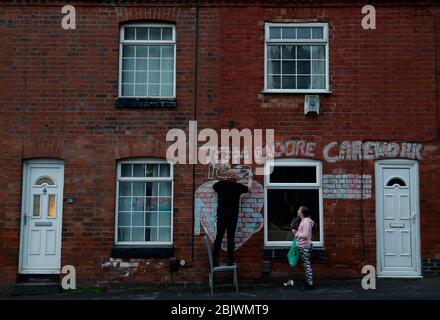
[147,61]
[296,57]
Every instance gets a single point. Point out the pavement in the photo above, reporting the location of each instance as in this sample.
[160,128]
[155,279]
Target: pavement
[386,289]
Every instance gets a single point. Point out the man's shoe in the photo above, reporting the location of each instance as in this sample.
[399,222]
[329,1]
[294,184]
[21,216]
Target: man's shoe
[309,287]
[230,263]
[215,263]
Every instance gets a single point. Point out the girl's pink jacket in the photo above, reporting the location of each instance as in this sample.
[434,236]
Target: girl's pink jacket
[304,234]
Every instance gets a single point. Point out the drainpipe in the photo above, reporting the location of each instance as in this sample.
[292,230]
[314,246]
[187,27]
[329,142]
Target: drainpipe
[195,98]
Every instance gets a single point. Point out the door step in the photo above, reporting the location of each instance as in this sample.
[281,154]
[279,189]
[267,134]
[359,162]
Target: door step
[37,284]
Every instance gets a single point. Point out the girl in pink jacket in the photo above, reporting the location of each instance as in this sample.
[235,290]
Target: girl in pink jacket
[304,242]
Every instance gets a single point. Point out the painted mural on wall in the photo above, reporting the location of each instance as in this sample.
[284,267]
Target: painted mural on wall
[250,219]
[335,186]
[349,150]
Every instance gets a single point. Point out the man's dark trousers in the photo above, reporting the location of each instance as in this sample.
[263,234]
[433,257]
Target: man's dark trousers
[226,221]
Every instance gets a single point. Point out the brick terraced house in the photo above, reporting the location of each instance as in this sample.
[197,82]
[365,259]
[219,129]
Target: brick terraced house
[84,115]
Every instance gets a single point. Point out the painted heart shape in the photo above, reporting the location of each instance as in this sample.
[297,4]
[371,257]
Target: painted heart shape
[250,219]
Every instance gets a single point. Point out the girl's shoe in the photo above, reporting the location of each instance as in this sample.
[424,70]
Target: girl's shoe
[289,283]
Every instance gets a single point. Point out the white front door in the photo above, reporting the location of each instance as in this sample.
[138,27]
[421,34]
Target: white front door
[397,218]
[42,204]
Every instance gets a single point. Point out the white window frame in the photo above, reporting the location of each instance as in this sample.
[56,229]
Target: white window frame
[298,186]
[145,42]
[324,41]
[141,179]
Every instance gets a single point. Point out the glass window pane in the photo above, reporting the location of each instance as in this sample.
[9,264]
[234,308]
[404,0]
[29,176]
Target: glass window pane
[154,51]
[289,33]
[124,189]
[317,33]
[274,82]
[154,90]
[303,67]
[141,77]
[318,67]
[127,64]
[141,64]
[141,51]
[168,64]
[282,208]
[45,180]
[138,188]
[142,33]
[138,170]
[137,204]
[164,170]
[275,32]
[397,181]
[164,234]
[129,33]
[167,77]
[151,219]
[154,77]
[288,52]
[318,82]
[140,90]
[273,52]
[289,174]
[152,170]
[124,219]
[151,189]
[154,64]
[126,170]
[303,52]
[289,82]
[168,51]
[127,90]
[318,52]
[166,90]
[138,219]
[51,212]
[150,234]
[155,33]
[128,51]
[165,219]
[304,33]
[138,234]
[165,188]
[289,67]
[151,204]
[36,211]
[127,77]
[124,204]
[303,82]
[123,234]
[164,204]
[273,67]
[167,33]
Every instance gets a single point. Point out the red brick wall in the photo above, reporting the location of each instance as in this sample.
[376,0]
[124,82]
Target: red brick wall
[57,100]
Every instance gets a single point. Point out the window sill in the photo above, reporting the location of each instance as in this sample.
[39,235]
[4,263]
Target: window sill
[280,253]
[129,102]
[119,251]
[297,92]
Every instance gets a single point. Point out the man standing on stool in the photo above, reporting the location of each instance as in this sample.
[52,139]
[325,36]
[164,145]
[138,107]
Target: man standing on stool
[228,194]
